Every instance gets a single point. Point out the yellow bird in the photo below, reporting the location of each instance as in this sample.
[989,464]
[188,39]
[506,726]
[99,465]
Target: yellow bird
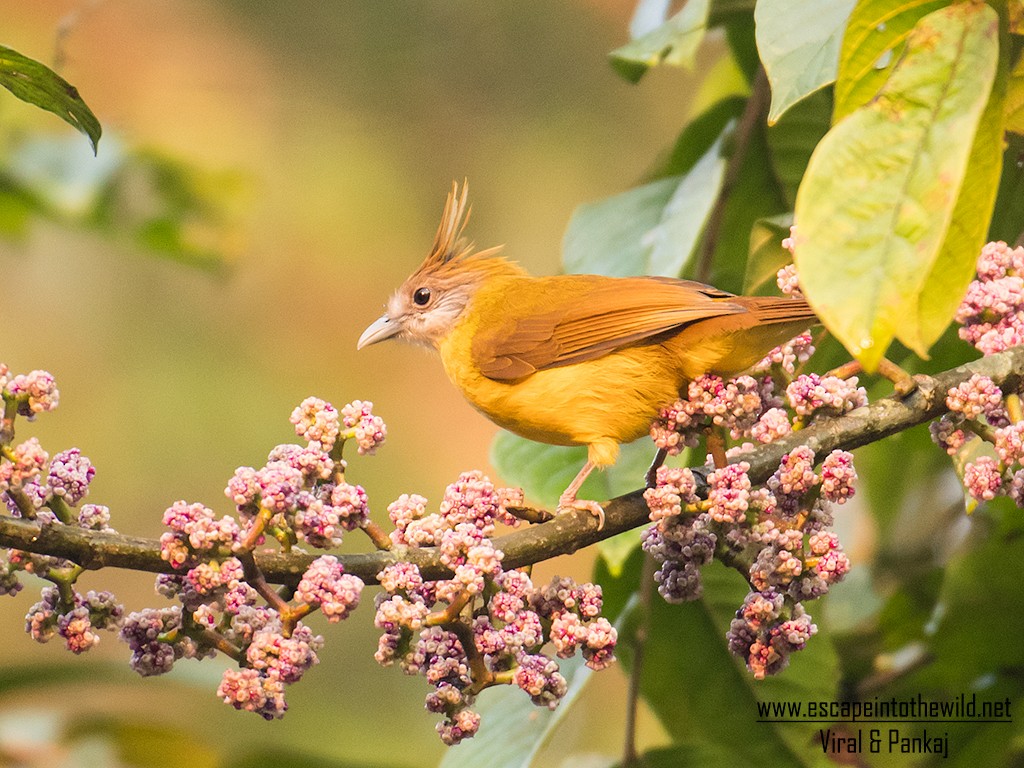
[574,359]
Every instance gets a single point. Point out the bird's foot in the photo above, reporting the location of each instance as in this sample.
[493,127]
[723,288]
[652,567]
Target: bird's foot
[569,504]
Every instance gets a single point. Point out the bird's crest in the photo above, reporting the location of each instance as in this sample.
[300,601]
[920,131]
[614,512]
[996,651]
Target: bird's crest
[449,244]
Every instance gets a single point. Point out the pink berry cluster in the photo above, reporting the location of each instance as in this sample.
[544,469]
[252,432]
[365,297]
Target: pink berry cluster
[485,625]
[992,312]
[36,486]
[759,409]
[979,424]
[778,532]
[299,495]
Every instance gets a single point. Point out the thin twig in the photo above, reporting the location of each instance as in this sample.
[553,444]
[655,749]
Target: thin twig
[753,113]
[646,588]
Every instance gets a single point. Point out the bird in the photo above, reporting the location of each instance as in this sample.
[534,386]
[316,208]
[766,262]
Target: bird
[584,360]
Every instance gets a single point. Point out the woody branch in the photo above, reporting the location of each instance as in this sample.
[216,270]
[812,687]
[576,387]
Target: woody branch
[564,534]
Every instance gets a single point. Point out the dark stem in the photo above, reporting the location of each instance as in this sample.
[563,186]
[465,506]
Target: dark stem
[753,114]
[629,753]
[568,532]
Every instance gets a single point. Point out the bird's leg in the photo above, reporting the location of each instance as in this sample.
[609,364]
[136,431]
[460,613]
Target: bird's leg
[652,473]
[569,501]
[716,447]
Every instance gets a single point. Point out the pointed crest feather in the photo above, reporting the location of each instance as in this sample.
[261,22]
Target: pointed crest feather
[448,242]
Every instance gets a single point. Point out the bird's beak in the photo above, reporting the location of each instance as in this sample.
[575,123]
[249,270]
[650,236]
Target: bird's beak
[381,328]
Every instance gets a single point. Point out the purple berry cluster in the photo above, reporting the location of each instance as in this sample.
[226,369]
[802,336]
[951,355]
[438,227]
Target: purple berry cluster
[485,625]
[778,533]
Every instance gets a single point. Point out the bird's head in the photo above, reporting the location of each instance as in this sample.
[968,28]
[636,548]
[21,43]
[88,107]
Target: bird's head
[428,304]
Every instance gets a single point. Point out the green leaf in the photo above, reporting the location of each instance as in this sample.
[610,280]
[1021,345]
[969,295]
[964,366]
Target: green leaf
[674,42]
[1015,99]
[615,552]
[697,137]
[544,471]
[39,85]
[872,46]
[146,745]
[755,195]
[700,692]
[878,196]
[792,140]
[649,230]
[512,729]
[1008,216]
[15,678]
[799,43]
[956,265]
[767,256]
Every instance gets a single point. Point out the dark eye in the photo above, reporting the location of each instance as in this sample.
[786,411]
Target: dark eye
[422,296]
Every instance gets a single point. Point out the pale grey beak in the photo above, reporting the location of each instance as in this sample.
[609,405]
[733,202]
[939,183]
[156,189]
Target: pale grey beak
[381,328]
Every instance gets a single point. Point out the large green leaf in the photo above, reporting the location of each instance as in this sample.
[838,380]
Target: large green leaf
[674,42]
[700,692]
[649,230]
[791,141]
[871,47]
[544,471]
[38,84]
[1015,99]
[956,264]
[1008,217]
[799,44]
[146,745]
[878,196]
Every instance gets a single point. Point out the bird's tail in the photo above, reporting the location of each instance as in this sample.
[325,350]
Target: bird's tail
[730,344]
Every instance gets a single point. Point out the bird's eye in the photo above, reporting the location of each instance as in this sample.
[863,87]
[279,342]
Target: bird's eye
[422,296]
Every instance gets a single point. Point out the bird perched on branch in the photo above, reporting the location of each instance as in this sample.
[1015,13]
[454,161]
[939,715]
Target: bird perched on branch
[574,359]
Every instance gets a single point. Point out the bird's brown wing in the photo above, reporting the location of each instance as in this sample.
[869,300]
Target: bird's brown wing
[573,318]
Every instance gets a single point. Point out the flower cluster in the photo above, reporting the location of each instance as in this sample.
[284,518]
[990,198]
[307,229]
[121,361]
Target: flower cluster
[300,494]
[992,312]
[755,409]
[48,489]
[779,531]
[978,424]
[486,625]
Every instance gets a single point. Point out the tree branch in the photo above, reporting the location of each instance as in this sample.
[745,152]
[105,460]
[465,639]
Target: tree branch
[564,534]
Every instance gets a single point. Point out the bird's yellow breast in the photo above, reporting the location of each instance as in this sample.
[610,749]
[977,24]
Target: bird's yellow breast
[599,403]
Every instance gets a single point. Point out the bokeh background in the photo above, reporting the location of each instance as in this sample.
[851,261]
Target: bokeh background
[329,134]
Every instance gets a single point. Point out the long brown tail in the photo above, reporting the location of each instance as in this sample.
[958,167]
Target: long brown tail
[730,344]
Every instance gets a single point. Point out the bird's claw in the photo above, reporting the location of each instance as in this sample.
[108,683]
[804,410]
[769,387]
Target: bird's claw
[571,504]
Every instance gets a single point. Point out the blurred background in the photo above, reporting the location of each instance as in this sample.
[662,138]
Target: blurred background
[304,150]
